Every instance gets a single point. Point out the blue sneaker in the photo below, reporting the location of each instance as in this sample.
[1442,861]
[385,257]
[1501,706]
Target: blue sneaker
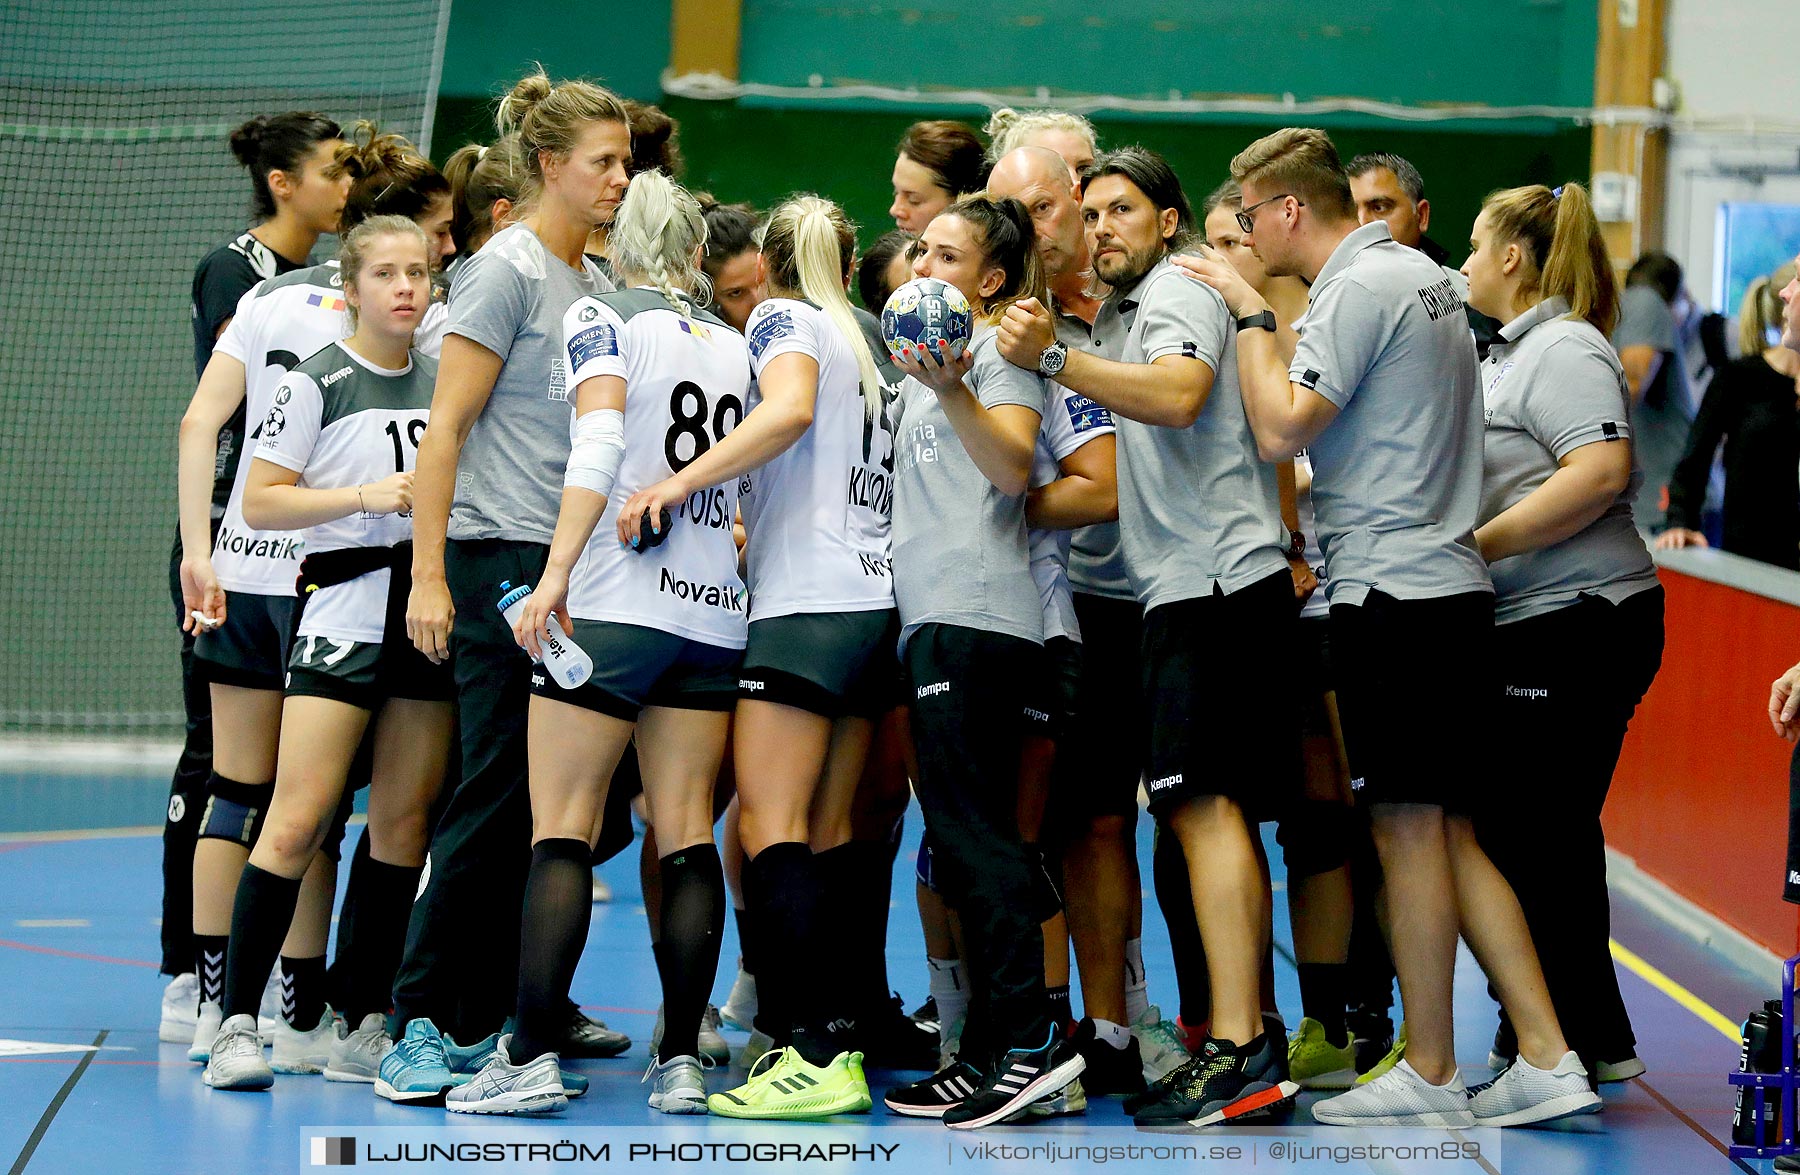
[467,1060]
[417,1069]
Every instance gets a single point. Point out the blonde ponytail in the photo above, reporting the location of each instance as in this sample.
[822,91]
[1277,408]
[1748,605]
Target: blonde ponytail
[1560,234]
[1761,309]
[657,235]
[809,247]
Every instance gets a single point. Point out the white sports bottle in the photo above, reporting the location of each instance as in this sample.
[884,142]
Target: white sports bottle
[569,666]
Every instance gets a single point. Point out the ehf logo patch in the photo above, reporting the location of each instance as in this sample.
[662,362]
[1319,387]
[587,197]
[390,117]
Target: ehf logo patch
[592,343]
[1085,415]
[277,420]
[770,329]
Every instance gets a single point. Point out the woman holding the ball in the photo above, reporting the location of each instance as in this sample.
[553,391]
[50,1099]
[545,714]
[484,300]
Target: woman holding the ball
[972,634]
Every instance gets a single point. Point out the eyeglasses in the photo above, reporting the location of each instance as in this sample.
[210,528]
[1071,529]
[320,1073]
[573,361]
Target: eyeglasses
[1247,221]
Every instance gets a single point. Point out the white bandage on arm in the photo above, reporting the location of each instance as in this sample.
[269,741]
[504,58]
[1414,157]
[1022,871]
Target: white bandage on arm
[596,450]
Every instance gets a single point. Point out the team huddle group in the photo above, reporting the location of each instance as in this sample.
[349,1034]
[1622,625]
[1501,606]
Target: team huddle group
[1252,508]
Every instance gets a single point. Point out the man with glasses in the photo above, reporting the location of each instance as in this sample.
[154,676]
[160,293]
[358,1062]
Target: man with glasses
[1382,392]
[1206,553]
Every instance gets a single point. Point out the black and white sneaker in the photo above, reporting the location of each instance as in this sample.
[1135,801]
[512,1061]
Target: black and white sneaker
[932,1097]
[1021,1078]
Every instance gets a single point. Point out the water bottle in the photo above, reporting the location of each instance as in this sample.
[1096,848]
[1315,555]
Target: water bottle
[1761,1054]
[567,664]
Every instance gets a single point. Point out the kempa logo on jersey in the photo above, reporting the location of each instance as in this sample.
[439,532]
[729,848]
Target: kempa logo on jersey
[1165,783]
[933,690]
[340,373]
[721,595]
[238,543]
[1529,693]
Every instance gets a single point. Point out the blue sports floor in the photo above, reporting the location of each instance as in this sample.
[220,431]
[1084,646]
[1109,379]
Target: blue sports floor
[85,1087]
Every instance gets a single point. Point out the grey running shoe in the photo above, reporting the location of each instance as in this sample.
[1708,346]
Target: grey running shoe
[505,1088]
[357,1056]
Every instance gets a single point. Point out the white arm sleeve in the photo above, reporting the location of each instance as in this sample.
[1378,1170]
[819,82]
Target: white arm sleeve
[595,451]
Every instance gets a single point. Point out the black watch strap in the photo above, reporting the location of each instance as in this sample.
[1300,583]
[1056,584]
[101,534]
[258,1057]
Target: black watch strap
[1265,319]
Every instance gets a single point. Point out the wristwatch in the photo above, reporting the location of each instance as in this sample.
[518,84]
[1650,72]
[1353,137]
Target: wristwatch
[1296,545]
[1265,320]
[1051,361]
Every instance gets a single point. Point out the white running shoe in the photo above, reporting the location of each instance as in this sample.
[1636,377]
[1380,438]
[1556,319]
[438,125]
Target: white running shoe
[305,1052]
[180,1009]
[712,1045]
[1399,1097]
[1161,1046]
[759,1043]
[505,1088]
[677,1085]
[1609,1072]
[1524,1094]
[739,1008]
[206,1029]
[357,1056]
[270,1013]
[235,1058]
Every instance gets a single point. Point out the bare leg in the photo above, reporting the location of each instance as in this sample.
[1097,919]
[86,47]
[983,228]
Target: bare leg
[1231,902]
[1421,903]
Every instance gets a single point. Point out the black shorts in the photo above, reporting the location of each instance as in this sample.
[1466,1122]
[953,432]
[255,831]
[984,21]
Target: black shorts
[837,664]
[250,649]
[635,667]
[1414,678]
[365,674]
[1315,681]
[1100,756]
[1219,685]
[1050,695]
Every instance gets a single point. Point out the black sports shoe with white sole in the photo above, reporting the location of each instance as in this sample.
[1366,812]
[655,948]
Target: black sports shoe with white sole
[932,1097]
[1022,1077]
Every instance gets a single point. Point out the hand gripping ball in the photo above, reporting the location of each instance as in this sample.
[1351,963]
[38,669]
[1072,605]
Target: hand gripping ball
[926,312]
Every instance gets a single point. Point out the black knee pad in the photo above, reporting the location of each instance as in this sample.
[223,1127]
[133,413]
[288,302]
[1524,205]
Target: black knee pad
[234,811]
[1315,837]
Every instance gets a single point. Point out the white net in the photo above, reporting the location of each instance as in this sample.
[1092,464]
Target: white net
[115,179]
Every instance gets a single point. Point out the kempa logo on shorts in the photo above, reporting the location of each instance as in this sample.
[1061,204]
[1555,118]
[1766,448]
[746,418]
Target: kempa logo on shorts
[1530,694]
[934,689]
[1165,783]
[537,679]
[752,686]
[1036,715]
[1794,876]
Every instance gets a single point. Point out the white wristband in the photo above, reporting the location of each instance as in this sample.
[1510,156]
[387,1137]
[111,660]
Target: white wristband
[596,450]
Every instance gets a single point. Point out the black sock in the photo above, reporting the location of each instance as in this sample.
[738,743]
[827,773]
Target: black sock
[872,882]
[1322,990]
[302,991]
[781,891]
[693,921]
[260,915]
[1060,1010]
[746,953]
[384,907]
[559,902]
[1175,897]
[209,965]
[841,920]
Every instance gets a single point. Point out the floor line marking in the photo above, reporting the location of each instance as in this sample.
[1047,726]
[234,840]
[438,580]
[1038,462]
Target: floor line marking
[1681,995]
[59,835]
[56,1103]
[1687,1121]
[52,923]
[83,955]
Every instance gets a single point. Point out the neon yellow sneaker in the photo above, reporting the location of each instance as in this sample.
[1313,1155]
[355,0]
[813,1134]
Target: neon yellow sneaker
[783,1086]
[1315,1063]
[1393,1058]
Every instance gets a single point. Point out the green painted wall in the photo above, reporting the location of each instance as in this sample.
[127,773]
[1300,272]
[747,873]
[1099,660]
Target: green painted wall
[623,43]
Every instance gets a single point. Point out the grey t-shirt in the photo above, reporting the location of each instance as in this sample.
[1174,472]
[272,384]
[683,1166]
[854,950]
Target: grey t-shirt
[960,548]
[1197,506]
[510,298]
[1397,475]
[1553,384]
[1096,559]
[1661,420]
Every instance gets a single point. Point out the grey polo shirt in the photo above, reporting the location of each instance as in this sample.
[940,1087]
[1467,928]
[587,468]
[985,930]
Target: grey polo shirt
[1397,475]
[1096,562]
[960,549]
[1553,384]
[1197,506]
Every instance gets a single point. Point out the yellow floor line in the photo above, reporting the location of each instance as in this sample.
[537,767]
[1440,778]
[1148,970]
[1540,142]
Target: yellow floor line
[1681,995]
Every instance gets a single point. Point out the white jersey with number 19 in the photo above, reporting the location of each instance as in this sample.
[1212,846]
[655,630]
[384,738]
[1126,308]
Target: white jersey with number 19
[686,381]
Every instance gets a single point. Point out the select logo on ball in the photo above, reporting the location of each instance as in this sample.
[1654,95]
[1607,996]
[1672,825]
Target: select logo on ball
[926,312]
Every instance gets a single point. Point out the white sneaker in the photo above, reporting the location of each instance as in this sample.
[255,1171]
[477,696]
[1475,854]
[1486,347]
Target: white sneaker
[270,1013]
[295,1051]
[1161,1046]
[712,1045]
[739,1009]
[759,1043]
[180,1009]
[505,1088]
[206,1029]
[677,1085]
[1525,1094]
[602,891]
[357,1056]
[235,1059]
[1399,1097]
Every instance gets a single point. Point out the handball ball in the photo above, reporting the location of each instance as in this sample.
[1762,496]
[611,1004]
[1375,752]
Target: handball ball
[926,312]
